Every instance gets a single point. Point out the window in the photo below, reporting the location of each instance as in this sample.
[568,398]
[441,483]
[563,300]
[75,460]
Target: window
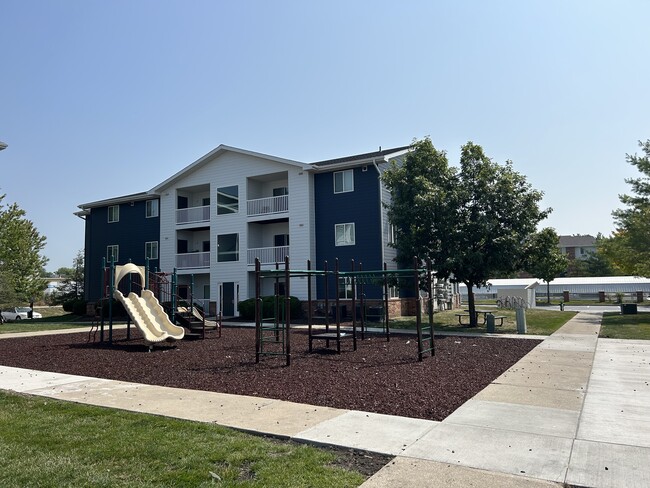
[345,288]
[227,200]
[227,248]
[113,253]
[113,213]
[151,250]
[391,234]
[151,208]
[393,292]
[344,234]
[343,181]
[278,192]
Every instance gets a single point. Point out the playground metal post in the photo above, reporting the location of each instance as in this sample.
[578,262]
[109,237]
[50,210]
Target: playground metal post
[386,314]
[101,330]
[354,310]
[338,306]
[287,308]
[430,301]
[258,317]
[309,310]
[110,301]
[418,305]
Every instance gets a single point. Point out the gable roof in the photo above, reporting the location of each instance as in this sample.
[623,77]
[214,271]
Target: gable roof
[221,149]
[361,158]
[577,241]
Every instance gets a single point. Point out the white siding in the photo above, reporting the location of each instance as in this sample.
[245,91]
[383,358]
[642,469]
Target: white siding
[231,168]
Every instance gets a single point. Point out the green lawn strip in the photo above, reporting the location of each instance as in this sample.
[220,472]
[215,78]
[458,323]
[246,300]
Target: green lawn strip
[632,326]
[47,442]
[538,322]
[37,326]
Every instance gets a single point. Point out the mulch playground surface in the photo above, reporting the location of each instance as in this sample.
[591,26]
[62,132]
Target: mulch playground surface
[380,376]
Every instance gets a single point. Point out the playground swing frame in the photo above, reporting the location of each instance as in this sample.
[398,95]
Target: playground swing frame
[282,327]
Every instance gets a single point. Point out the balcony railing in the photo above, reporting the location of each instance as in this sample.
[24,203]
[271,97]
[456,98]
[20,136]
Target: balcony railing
[268,255]
[268,205]
[193,260]
[193,214]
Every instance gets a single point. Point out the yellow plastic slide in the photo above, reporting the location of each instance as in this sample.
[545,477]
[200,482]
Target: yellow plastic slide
[146,312]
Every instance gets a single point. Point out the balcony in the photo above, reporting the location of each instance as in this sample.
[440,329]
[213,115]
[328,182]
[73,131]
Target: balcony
[268,255]
[268,206]
[193,260]
[193,214]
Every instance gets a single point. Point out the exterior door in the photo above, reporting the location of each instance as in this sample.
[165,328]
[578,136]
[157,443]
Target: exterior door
[228,299]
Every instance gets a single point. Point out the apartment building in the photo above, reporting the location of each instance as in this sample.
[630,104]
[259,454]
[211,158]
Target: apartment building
[212,219]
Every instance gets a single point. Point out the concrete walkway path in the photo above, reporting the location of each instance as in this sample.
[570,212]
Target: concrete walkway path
[573,410]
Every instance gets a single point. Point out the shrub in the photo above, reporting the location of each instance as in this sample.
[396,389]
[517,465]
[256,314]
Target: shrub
[247,308]
[76,306]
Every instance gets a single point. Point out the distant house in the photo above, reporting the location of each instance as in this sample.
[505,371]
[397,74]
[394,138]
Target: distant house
[577,246]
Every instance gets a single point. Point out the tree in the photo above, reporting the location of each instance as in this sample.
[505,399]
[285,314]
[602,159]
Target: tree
[544,259]
[629,246]
[472,223]
[21,263]
[72,287]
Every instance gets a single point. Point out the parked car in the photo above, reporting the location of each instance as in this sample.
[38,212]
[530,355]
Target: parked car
[19,313]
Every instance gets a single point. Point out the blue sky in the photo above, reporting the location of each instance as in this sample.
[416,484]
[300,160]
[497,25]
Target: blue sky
[106,98]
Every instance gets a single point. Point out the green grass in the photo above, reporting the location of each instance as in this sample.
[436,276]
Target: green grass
[54,318]
[49,443]
[617,326]
[539,322]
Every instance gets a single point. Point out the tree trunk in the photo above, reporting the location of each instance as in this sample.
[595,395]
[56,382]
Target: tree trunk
[472,305]
[548,292]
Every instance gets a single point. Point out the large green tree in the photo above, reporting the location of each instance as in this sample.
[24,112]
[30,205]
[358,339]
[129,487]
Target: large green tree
[21,261]
[629,246]
[544,260]
[472,222]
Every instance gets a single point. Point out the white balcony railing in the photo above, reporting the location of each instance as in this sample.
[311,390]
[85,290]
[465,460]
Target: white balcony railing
[193,214]
[268,255]
[268,205]
[193,260]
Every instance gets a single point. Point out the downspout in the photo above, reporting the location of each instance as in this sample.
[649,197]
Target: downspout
[381,209]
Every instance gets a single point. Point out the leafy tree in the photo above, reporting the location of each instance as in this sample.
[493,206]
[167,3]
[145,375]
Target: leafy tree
[21,263]
[471,222]
[629,246]
[544,259]
[72,286]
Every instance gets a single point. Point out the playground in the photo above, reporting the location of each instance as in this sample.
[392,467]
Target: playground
[380,376]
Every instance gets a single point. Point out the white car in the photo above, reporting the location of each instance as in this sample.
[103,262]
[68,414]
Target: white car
[19,313]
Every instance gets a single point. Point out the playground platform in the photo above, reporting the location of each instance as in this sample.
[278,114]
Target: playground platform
[572,411]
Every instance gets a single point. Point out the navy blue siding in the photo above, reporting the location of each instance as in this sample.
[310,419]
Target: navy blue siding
[131,233]
[361,207]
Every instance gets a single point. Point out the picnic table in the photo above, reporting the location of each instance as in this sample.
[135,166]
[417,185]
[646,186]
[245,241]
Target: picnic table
[477,313]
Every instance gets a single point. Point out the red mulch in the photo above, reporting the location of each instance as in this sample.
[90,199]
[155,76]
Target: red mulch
[382,377]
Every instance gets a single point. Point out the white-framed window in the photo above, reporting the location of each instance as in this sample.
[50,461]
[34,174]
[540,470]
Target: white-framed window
[151,250]
[227,200]
[113,214]
[112,253]
[151,209]
[278,192]
[344,234]
[391,234]
[393,292]
[227,248]
[343,181]
[345,288]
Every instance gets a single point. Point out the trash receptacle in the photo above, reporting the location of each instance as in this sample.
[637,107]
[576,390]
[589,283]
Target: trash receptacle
[628,308]
[489,320]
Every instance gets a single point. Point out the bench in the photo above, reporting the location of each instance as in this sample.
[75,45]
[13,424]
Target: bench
[500,319]
[460,318]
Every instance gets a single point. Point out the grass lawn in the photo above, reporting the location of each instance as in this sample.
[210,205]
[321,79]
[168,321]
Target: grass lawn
[46,442]
[54,318]
[538,321]
[617,326]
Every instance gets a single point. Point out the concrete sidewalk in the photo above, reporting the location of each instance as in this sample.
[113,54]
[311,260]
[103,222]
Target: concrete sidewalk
[572,410]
